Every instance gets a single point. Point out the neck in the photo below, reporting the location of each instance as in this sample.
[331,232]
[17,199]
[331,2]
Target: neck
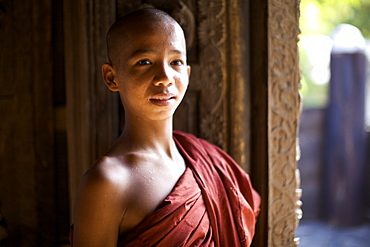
[154,136]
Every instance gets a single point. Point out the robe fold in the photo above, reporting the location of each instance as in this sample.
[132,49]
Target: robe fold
[232,204]
[212,204]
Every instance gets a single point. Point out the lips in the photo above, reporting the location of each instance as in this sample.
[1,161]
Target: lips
[165,98]
[162,99]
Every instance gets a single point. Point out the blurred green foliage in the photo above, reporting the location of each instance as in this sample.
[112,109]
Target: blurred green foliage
[321,17]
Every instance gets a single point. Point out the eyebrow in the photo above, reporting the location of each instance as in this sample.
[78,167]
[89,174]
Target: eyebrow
[178,52]
[148,51]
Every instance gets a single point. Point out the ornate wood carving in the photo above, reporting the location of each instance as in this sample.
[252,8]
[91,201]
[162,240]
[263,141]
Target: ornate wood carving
[283,112]
[212,36]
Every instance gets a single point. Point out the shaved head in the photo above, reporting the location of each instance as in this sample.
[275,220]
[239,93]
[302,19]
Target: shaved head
[137,21]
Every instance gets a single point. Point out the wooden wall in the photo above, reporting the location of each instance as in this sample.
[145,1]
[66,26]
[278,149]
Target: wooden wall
[28,171]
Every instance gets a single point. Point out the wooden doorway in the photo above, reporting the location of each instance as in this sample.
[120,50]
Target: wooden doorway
[243,97]
[243,94]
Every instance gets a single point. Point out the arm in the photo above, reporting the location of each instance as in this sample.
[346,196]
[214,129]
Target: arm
[99,207]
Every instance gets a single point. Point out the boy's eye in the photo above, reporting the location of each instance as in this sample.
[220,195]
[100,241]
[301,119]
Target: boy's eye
[144,62]
[177,62]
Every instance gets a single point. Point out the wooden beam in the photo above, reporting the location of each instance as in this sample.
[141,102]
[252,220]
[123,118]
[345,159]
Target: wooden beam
[92,110]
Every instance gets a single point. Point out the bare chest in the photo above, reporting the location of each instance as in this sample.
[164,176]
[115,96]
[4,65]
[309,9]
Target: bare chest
[150,186]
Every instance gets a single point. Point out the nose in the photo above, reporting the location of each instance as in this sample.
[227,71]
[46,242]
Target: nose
[163,75]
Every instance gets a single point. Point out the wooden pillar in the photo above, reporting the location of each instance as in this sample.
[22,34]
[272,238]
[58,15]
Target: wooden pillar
[92,110]
[275,112]
[283,113]
[345,144]
[259,111]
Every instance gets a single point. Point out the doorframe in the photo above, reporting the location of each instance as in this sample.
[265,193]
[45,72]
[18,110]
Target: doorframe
[275,103]
[275,77]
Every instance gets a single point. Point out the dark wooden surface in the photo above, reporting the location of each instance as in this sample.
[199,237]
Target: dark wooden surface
[259,106]
[92,109]
[27,123]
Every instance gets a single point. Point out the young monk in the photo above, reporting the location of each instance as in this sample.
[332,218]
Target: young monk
[156,187]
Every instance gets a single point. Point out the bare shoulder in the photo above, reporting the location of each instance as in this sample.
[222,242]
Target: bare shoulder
[110,179]
[101,202]
[108,170]
[119,191]
[112,176]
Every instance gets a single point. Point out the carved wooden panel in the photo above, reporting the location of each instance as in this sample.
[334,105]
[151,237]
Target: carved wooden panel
[283,113]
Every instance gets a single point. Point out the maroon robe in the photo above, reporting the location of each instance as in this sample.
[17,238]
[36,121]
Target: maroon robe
[232,204]
[212,204]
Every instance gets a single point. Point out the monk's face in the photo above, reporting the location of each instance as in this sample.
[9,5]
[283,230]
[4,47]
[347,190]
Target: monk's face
[151,69]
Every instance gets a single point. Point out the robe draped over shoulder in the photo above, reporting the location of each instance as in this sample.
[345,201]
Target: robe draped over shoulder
[212,204]
[181,220]
[232,204]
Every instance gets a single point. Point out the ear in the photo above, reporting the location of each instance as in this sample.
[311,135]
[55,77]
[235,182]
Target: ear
[109,77]
[189,70]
